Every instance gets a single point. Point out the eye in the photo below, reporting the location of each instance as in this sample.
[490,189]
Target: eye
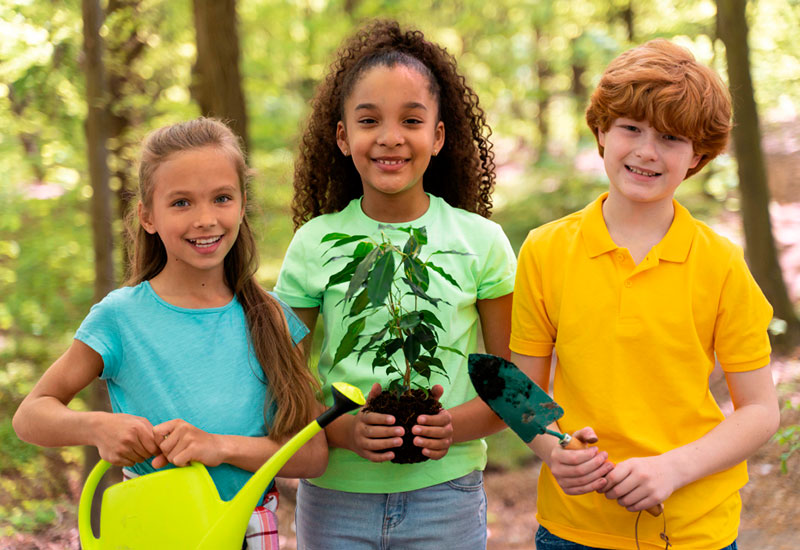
[180,203]
[223,199]
[413,121]
[366,121]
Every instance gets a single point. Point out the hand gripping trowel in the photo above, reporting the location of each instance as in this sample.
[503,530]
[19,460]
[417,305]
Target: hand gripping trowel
[180,507]
[522,405]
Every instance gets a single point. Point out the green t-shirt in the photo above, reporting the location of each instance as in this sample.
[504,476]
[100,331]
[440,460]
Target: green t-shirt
[487,272]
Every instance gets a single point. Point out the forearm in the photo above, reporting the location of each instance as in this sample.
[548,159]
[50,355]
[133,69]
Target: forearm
[473,420]
[729,443]
[250,453]
[339,432]
[47,422]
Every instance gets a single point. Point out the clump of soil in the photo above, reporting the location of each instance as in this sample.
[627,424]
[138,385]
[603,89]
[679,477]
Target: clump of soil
[405,408]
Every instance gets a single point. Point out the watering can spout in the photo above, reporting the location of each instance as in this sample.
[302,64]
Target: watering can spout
[345,398]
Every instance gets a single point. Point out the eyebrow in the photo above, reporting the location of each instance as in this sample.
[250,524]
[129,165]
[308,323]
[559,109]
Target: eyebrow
[409,105]
[185,192]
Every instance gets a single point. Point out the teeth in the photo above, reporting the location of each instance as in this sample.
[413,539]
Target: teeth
[642,172]
[205,242]
[390,162]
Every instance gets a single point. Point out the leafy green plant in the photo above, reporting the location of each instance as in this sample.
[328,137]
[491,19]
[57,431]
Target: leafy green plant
[379,276]
[788,436]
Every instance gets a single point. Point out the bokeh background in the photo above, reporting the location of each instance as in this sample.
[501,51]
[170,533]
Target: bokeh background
[82,82]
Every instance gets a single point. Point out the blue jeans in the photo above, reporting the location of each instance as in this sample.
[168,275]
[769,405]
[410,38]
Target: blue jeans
[545,540]
[450,515]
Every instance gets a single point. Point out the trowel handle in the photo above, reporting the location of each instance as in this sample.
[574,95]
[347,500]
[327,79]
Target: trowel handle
[88,540]
[569,442]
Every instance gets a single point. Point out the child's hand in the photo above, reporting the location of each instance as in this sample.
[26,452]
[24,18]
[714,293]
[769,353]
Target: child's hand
[373,433]
[124,439]
[580,471]
[640,483]
[181,443]
[435,433]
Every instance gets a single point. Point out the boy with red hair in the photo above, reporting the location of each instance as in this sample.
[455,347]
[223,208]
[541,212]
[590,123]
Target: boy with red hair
[639,299]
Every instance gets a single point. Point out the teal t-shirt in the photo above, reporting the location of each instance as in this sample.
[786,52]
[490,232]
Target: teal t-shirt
[486,272]
[163,362]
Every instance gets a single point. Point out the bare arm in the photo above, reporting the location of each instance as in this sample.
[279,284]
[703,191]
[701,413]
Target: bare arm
[43,417]
[181,443]
[309,317]
[474,419]
[639,483]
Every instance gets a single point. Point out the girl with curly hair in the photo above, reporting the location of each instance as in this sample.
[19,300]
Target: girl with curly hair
[397,138]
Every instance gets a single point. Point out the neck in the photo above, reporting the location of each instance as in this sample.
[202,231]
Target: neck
[403,207]
[637,226]
[192,289]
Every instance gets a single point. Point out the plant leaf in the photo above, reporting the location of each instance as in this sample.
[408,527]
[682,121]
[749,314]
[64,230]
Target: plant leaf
[421,234]
[453,350]
[417,291]
[344,275]
[380,280]
[359,304]
[361,272]
[410,320]
[373,339]
[415,272]
[411,348]
[352,239]
[431,319]
[443,273]
[426,337]
[349,340]
[411,247]
[333,237]
[458,252]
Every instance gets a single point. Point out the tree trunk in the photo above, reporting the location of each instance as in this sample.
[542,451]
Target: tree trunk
[96,136]
[217,85]
[760,244]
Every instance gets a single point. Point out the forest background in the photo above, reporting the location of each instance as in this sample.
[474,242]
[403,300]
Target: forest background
[81,82]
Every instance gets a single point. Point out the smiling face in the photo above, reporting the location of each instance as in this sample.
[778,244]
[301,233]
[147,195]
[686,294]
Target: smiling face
[391,128]
[196,209]
[644,165]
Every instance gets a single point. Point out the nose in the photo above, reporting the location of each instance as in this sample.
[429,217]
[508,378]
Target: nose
[647,149]
[206,216]
[391,135]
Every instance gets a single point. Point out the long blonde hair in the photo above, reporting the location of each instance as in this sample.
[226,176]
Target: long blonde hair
[292,389]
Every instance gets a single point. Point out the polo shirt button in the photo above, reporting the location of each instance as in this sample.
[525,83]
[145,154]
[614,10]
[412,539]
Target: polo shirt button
[628,284]
[621,257]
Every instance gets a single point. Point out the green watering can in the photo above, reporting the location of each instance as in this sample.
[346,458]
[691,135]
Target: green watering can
[181,507]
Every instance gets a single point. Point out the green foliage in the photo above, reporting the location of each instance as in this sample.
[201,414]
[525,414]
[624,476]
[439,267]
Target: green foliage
[377,282]
[789,437]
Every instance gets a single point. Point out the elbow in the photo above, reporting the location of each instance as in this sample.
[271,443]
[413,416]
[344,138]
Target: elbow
[773,420]
[318,464]
[20,425]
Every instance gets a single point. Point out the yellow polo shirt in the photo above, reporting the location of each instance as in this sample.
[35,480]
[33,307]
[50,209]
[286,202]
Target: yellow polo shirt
[636,345]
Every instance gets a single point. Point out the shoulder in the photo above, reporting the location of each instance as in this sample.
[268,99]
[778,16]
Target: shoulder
[123,297]
[451,218]
[556,233]
[714,245]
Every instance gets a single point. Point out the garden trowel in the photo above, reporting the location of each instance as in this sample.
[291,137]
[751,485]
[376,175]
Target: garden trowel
[522,405]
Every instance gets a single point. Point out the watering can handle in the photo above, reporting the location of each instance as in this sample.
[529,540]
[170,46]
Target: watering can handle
[88,540]
[569,442]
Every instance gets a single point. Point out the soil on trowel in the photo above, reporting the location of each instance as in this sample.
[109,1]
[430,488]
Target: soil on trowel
[405,408]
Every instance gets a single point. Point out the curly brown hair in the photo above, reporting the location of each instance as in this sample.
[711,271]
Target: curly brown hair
[462,173]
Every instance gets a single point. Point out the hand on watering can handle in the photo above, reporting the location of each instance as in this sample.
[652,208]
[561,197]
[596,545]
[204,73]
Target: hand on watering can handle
[123,439]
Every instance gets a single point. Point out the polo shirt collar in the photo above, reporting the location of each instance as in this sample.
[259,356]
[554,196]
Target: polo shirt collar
[674,247]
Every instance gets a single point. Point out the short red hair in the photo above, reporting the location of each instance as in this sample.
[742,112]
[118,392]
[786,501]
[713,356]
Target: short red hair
[661,82]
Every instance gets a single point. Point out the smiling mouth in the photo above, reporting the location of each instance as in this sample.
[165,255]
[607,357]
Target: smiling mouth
[391,162]
[205,242]
[641,172]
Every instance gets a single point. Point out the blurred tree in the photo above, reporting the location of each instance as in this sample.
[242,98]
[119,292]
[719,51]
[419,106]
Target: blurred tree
[97,123]
[217,85]
[760,245]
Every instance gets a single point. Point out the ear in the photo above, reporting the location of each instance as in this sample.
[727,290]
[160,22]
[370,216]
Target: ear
[438,138]
[695,160]
[341,139]
[601,137]
[145,219]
